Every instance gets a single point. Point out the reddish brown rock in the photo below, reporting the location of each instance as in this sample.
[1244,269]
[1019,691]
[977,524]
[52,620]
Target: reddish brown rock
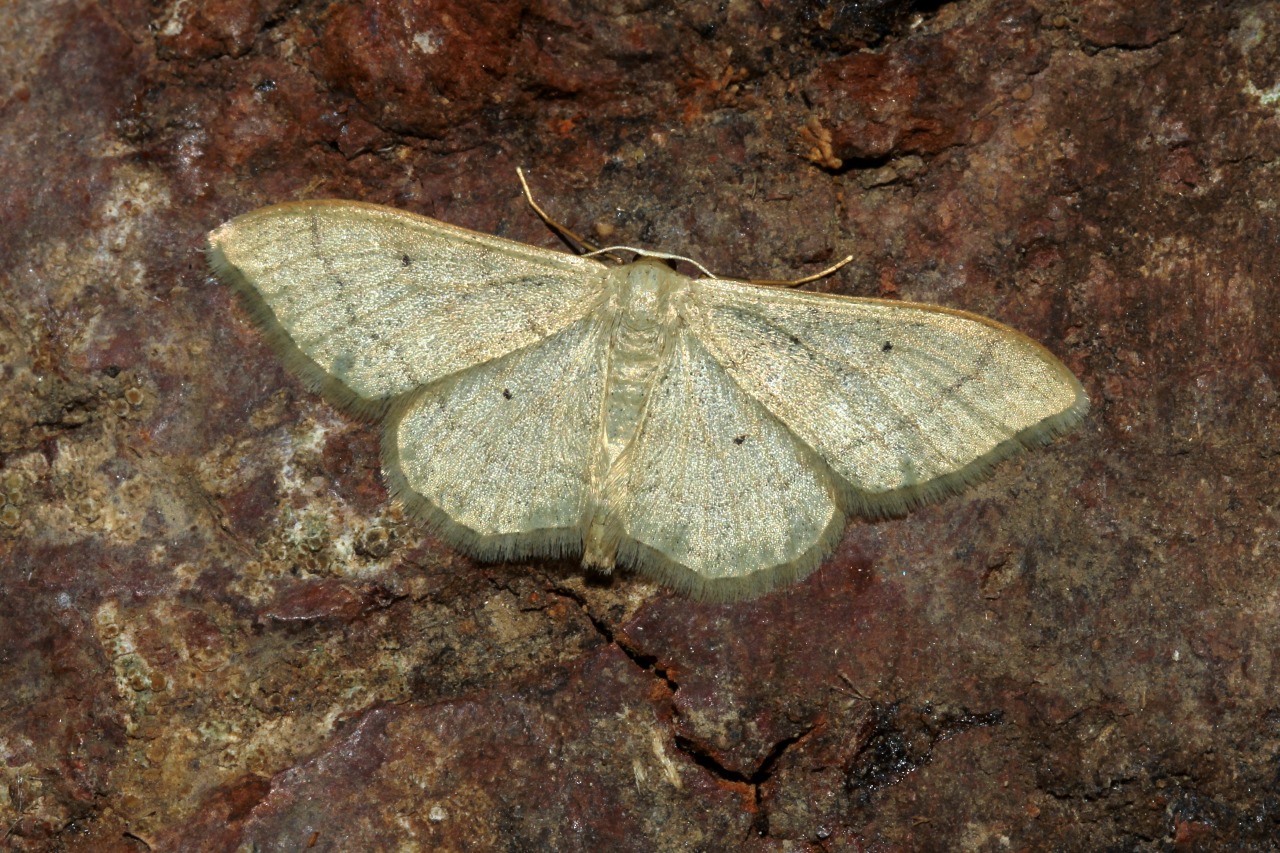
[196,31]
[924,94]
[216,631]
[418,67]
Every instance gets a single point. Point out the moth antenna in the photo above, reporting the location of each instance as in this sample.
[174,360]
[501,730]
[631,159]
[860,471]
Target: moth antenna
[649,253]
[586,247]
[796,282]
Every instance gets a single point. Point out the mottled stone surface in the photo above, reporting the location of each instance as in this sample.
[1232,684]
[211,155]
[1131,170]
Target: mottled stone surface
[217,633]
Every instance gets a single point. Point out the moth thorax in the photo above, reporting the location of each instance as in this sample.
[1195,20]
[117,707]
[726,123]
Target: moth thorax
[644,290]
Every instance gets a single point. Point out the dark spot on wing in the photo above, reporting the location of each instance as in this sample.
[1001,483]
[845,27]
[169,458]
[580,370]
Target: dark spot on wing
[342,364]
[405,261]
[740,439]
[888,345]
[506,393]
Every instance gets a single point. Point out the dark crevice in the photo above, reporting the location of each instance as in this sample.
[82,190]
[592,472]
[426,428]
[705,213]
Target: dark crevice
[276,19]
[756,779]
[645,662]
[843,28]
[895,156]
[697,753]
[760,825]
[1093,48]
[859,164]
[648,663]
[704,759]
[136,838]
[765,770]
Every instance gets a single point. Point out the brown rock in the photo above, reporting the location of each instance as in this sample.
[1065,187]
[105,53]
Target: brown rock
[216,631]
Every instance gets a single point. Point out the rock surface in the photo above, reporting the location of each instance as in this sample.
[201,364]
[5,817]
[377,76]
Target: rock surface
[217,633]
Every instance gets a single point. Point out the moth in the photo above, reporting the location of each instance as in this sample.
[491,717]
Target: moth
[711,434]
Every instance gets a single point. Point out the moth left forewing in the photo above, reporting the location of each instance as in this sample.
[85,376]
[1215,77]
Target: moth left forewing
[905,402]
[369,302]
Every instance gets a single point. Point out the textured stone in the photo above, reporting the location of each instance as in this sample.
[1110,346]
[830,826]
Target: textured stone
[215,630]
